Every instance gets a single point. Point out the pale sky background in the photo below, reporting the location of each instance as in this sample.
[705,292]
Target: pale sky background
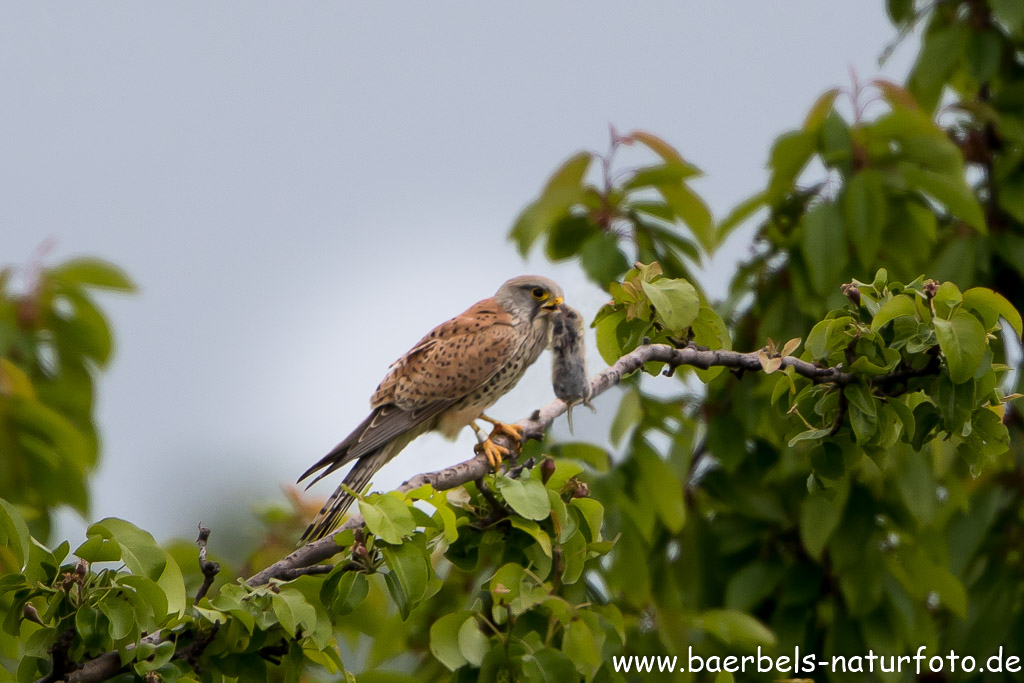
[301,190]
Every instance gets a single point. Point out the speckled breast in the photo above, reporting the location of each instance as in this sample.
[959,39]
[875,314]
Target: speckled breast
[470,407]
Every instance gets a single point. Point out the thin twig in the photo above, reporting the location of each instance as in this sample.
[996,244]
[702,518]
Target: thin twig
[498,511]
[305,571]
[209,569]
[840,413]
[516,471]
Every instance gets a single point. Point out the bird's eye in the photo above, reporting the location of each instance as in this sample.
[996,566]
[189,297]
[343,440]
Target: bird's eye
[539,294]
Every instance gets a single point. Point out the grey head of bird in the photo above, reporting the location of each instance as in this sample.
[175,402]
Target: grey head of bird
[529,296]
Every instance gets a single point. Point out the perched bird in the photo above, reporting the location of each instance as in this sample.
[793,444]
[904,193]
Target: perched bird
[444,383]
[569,363]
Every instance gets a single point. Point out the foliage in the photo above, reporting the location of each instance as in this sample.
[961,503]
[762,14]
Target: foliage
[54,340]
[875,507]
[531,541]
[645,206]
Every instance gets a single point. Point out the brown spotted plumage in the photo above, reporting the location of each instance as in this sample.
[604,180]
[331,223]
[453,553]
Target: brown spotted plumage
[444,383]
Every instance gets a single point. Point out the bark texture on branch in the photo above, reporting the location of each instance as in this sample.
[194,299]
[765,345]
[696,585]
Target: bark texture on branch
[535,426]
[316,553]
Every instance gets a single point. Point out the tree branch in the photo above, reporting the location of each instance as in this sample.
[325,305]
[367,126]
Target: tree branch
[535,426]
[208,568]
[310,558]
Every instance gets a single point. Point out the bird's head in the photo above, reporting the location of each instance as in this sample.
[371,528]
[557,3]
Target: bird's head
[529,296]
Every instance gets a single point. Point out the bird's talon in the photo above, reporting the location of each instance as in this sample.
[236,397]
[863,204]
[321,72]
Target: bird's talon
[493,452]
[511,431]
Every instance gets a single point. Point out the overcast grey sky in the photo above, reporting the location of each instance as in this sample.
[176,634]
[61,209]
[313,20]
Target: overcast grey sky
[301,190]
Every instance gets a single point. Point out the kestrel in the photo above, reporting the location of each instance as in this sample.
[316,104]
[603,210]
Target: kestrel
[444,383]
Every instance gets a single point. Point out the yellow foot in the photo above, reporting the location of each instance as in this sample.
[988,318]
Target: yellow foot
[513,432]
[493,451]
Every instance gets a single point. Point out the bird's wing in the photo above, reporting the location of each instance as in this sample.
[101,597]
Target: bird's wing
[384,424]
[453,360]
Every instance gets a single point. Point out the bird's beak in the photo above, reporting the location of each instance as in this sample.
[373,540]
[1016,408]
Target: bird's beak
[553,304]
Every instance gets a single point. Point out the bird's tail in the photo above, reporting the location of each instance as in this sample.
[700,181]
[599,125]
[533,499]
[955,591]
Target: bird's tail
[340,501]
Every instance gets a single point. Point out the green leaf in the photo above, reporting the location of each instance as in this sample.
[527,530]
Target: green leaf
[628,416]
[808,435]
[548,666]
[896,307]
[149,592]
[444,639]
[533,529]
[574,555]
[739,215]
[85,327]
[439,499]
[824,247]
[863,411]
[352,588]
[139,550]
[153,658]
[56,429]
[593,512]
[947,299]
[657,145]
[983,51]
[92,628]
[607,336]
[410,567]
[14,537]
[602,259]
[563,189]
[568,235]
[293,611]
[120,614]
[916,484]
[579,644]
[992,305]
[526,496]
[736,628]
[789,156]
[99,546]
[819,517]
[473,644]
[387,517]
[752,584]
[93,272]
[676,302]
[669,173]
[864,207]
[594,456]
[663,487]
[952,193]
[820,109]
[564,470]
[692,210]
[940,52]
[962,340]
[1011,200]
[1010,12]
[900,10]
[825,336]
[827,460]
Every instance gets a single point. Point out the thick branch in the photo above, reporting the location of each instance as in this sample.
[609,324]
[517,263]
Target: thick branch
[302,560]
[535,426]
